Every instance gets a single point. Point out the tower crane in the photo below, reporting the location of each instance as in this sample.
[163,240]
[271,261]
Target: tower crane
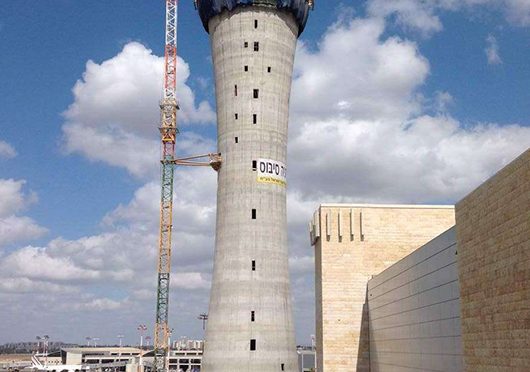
[168,133]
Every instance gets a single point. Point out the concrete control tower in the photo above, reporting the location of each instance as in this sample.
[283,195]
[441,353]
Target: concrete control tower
[250,326]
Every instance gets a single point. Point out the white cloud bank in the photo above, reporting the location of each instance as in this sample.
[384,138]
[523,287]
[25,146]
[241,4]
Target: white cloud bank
[369,137]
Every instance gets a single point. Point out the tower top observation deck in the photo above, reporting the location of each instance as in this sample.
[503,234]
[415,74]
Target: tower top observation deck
[299,8]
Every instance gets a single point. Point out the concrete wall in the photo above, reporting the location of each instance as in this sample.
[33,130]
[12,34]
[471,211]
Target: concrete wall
[493,234]
[352,243]
[414,311]
[237,288]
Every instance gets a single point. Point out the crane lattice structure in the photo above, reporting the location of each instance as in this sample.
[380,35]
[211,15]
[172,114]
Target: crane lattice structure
[168,132]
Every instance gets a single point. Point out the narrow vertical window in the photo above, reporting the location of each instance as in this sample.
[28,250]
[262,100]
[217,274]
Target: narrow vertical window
[254,165]
[253,265]
[253,214]
[256,93]
[246,44]
[256,46]
[252,345]
[237,139]
[236,116]
[255,23]
[283,366]
[246,68]
[269,69]
[235,90]
[254,119]
[252,316]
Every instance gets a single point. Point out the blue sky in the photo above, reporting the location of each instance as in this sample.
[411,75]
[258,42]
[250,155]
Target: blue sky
[424,99]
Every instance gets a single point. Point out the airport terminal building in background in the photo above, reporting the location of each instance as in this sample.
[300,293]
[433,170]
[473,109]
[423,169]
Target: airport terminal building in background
[411,288]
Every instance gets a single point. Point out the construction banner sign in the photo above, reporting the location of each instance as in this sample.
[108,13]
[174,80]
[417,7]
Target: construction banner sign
[271,171]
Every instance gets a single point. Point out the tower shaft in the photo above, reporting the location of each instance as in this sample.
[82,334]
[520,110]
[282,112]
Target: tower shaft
[250,327]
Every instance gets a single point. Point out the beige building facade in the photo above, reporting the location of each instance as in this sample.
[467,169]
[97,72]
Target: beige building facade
[461,302]
[352,243]
[493,238]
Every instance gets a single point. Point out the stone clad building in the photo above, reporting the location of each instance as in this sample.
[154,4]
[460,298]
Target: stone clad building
[397,292]
[352,243]
[493,239]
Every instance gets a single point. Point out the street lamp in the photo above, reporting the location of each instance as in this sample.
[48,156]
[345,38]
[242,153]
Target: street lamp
[38,338]
[204,318]
[141,328]
[169,333]
[95,339]
[120,337]
[46,338]
[88,341]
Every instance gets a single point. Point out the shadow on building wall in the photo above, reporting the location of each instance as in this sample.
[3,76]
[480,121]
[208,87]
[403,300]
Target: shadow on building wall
[363,353]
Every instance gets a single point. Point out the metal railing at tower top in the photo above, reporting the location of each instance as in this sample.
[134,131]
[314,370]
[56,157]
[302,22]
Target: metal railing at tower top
[299,8]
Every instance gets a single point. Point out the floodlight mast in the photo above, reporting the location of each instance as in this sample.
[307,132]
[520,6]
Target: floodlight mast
[168,133]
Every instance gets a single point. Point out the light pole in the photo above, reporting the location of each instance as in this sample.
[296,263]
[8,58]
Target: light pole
[141,328]
[204,318]
[314,348]
[95,339]
[38,338]
[170,332]
[88,341]
[46,338]
[120,337]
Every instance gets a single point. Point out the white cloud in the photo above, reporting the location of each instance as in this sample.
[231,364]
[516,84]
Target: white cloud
[17,229]
[13,200]
[12,197]
[36,263]
[518,11]
[6,150]
[115,114]
[492,50]
[98,304]
[26,285]
[423,15]
[356,74]
[383,150]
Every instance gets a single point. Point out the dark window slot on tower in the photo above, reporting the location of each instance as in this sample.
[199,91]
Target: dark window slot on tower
[254,119]
[236,116]
[235,90]
[256,93]
[253,265]
[252,345]
[269,69]
[246,68]
[237,139]
[246,44]
[254,165]
[256,46]
[255,23]
[283,367]
[252,316]
[253,214]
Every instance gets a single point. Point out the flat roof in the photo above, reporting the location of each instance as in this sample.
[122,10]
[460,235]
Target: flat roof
[388,206]
[100,349]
